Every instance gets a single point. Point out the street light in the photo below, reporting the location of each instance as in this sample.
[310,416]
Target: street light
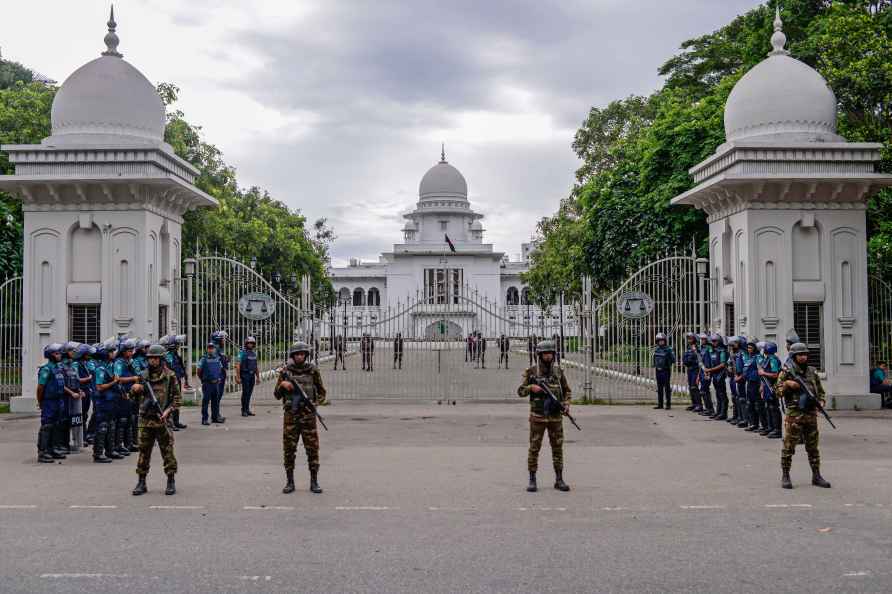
[702,266]
[189,265]
[253,262]
[277,279]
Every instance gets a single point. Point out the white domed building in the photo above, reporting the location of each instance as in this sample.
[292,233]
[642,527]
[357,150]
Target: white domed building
[785,199]
[424,268]
[103,199]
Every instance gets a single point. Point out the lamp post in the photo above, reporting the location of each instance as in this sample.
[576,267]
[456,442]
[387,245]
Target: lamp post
[189,267]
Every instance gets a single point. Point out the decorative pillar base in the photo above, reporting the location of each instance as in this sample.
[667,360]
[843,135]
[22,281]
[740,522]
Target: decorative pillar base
[25,405]
[854,402]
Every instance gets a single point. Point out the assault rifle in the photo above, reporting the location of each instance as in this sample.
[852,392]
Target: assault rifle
[769,390]
[150,403]
[807,399]
[538,381]
[300,400]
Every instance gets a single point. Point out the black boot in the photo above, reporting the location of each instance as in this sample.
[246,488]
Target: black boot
[110,441]
[559,483]
[140,487]
[289,482]
[43,445]
[777,421]
[120,433]
[171,486]
[786,483]
[132,435]
[99,445]
[531,486]
[176,420]
[816,478]
[56,446]
[314,482]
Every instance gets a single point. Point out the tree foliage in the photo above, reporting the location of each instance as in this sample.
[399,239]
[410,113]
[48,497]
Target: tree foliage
[636,152]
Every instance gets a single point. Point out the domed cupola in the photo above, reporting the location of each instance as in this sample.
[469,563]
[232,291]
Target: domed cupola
[107,101]
[781,99]
[443,181]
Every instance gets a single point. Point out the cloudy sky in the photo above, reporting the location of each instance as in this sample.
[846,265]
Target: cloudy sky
[338,107]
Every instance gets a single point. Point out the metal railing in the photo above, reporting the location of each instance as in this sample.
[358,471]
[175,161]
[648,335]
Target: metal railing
[10,338]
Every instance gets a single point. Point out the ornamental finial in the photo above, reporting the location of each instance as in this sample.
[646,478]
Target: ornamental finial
[778,40]
[111,38]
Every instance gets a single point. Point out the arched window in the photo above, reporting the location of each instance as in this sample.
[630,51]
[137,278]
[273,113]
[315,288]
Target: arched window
[513,297]
[374,297]
[344,295]
[358,297]
[525,296]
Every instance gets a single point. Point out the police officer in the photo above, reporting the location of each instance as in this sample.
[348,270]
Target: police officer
[481,350]
[126,374]
[504,349]
[90,400]
[174,361]
[139,366]
[545,414]
[153,420]
[219,339]
[739,379]
[663,359]
[210,372]
[105,405]
[717,369]
[753,385]
[398,350]
[339,348]
[73,398]
[367,349]
[50,399]
[769,369]
[300,424]
[705,352]
[247,373]
[802,415]
[731,373]
[691,361]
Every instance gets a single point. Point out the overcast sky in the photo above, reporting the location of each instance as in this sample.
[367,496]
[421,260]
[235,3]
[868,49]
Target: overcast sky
[338,107]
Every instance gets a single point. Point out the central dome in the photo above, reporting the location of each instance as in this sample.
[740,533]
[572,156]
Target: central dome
[108,97]
[781,98]
[443,181]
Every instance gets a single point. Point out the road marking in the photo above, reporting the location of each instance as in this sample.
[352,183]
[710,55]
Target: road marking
[702,507]
[541,509]
[855,505]
[270,507]
[176,507]
[777,505]
[256,578]
[614,508]
[93,507]
[856,574]
[452,509]
[800,505]
[18,507]
[364,508]
[68,576]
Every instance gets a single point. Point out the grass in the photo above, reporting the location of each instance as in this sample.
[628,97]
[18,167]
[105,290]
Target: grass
[4,408]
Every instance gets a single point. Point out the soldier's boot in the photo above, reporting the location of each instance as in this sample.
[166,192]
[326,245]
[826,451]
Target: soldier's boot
[171,486]
[140,487]
[531,486]
[176,420]
[786,483]
[289,482]
[43,445]
[314,482]
[816,478]
[559,483]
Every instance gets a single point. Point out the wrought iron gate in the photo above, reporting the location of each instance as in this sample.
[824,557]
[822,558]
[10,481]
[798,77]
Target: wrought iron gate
[880,320]
[10,338]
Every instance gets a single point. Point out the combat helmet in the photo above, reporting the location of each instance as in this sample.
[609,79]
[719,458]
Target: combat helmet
[545,346]
[798,348]
[298,347]
[156,350]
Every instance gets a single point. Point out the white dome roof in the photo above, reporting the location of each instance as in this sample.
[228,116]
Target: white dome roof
[477,225]
[410,226]
[781,98]
[108,97]
[443,181]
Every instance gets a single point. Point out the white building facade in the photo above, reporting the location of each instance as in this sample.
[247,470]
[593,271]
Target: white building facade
[786,202]
[103,200]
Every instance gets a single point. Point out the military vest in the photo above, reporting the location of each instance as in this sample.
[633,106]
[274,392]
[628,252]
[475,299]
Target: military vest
[161,386]
[553,380]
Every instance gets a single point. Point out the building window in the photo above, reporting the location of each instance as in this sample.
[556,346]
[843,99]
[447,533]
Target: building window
[444,225]
[83,323]
[374,297]
[807,323]
[525,296]
[162,320]
[358,297]
[513,296]
[443,285]
[729,319]
[344,295]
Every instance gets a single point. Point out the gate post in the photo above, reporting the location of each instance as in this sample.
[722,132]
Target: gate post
[702,271]
[189,267]
[588,337]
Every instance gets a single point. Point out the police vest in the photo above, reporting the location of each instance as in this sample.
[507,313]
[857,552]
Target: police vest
[72,378]
[55,387]
[662,358]
[690,359]
[83,372]
[249,362]
[212,369]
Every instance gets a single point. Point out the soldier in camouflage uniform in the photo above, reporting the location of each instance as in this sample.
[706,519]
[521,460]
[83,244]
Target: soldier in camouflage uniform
[800,424]
[152,423]
[302,423]
[545,415]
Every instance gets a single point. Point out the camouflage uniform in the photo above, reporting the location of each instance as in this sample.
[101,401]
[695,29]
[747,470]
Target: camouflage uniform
[539,421]
[166,386]
[800,425]
[302,425]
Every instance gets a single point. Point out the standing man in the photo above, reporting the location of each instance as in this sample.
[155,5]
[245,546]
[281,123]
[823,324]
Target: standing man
[174,361]
[219,339]
[339,348]
[802,414]
[126,375]
[663,360]
[210,372]
[691,361]
[717,369]
[739,378]
[104,411]
[398,350]
[753,388]
[73,397]
[504,349]
[153,416]
[769,369]
[481,349]
[299,420]
[705,381]
[545,414]
[50,399]
[247,373]
[367,348]
[731,372]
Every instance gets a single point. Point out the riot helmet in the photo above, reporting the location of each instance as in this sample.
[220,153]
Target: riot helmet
[51,349]
[770,348]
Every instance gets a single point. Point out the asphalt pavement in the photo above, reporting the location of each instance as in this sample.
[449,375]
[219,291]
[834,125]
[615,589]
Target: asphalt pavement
[421,497]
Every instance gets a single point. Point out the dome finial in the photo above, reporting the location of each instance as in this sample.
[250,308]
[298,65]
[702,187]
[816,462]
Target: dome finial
[442,152]
[778,40]
[111,38]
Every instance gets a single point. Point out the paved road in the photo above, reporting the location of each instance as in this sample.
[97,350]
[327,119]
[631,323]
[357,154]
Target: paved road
[428,498]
